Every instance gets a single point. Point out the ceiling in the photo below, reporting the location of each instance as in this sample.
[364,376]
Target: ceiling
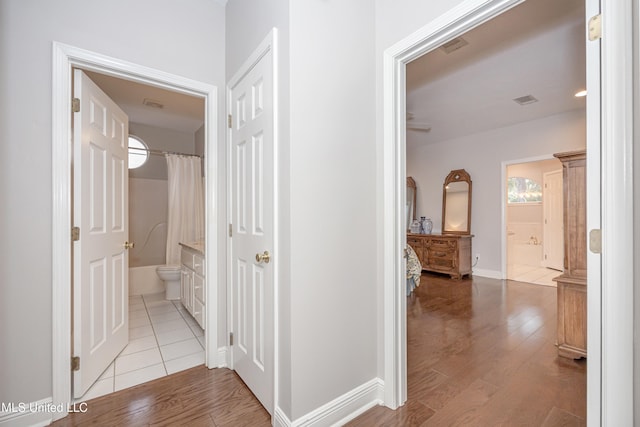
[179,112]
[536,48]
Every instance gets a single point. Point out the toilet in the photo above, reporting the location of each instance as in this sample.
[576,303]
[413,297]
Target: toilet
[170,275]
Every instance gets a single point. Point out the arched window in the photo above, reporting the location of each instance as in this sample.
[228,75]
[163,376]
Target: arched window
[523,190]
[138,152]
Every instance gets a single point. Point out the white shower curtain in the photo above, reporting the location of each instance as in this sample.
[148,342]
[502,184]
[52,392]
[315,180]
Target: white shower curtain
[185,220]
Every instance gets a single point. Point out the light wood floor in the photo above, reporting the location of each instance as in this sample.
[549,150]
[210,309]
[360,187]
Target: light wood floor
[480,352]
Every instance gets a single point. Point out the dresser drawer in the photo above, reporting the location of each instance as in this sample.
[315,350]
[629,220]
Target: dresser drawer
[413,240]
[439,253]
[441,264]
[441,244]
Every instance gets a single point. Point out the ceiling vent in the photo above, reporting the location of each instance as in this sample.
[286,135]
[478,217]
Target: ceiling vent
[454,44]
[525,100]
[420,127]
[153,103]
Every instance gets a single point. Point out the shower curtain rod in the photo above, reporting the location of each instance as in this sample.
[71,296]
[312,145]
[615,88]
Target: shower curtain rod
[162,153]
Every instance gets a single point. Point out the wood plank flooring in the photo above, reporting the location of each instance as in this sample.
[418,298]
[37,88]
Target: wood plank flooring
[197,397]
[480,352]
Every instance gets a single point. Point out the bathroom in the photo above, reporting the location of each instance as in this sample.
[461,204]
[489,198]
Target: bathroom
[164,336]
[533,208]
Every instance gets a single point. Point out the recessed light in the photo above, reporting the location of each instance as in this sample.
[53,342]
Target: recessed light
[581,94]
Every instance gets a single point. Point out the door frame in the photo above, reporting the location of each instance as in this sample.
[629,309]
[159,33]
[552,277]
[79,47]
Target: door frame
[65,58]
[610,277]
[503,201]
[269,45]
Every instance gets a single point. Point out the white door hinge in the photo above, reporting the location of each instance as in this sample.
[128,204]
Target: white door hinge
[230,338]
[230,230]
[75,105]
[230,121]
[595,27]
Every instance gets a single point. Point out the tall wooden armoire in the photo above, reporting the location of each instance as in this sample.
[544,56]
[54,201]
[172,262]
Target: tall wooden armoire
[572,284]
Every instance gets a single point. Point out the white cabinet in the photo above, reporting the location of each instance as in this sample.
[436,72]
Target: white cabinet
[193,283]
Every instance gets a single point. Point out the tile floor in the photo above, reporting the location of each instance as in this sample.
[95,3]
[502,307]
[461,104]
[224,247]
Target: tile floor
[537,275]
[163,339]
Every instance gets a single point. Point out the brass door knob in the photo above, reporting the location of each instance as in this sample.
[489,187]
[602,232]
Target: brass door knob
[129,245]
[266,257]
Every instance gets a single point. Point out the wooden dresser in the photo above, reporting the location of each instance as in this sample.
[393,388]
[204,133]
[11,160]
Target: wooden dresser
[572,284]
[443,253]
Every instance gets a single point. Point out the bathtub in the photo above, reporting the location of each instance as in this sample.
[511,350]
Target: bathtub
[523,253]
[144,280]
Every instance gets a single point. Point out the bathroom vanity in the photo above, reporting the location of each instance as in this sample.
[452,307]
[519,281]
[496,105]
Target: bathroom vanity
[192,280]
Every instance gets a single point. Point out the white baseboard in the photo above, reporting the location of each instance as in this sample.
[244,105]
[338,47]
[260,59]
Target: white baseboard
[222,357]
[33,414]
[491,274]
[340,410]
[279,419]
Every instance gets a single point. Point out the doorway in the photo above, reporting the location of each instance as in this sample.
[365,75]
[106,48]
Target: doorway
[533,221]
[394,170]
[164,336]
[65,58]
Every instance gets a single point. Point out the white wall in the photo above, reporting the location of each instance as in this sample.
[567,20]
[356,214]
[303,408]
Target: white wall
[482,155]
[333,195]
[185,39]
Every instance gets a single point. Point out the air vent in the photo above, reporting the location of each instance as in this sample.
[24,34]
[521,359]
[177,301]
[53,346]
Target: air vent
[454,44]
[153,103]
[525,100]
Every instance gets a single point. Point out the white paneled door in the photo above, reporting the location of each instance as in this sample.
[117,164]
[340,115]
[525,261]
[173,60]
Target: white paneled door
[252,188]
[553,224]
[100,210]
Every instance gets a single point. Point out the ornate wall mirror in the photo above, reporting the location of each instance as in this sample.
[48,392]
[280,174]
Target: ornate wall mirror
[410,208]
[456,203]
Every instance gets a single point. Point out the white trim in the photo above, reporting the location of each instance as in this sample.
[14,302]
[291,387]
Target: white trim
[594,206]
[340,410]
[64,58]
[268,46]
[223,353]
[457,21]
[24,414]
[617,217]
[491,274]
[504,204]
